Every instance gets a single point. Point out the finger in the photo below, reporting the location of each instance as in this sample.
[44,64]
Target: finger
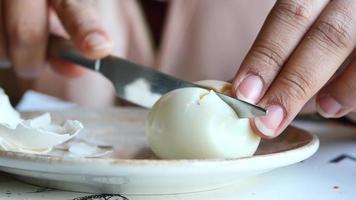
[81,21]
[62,67]
[309,107]
[328,43]
[55,25]
[338,97]
[27,31]
[285,26]
[66,68]
[4,61]
[352,116]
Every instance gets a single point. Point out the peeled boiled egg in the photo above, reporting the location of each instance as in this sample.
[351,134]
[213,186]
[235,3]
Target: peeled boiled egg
[194,123]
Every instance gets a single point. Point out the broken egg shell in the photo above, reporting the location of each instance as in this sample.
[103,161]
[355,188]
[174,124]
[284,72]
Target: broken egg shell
[216,85]
[81,149]
[35,135]
[194,123]
[38,135]
[9,117]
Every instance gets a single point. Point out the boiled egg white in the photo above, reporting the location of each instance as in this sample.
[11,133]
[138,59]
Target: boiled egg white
[194,123]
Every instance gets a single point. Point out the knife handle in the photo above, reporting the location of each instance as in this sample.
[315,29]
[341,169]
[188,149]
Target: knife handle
[64,49]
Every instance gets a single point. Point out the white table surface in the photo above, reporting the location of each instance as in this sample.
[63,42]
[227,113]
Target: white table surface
[329,174]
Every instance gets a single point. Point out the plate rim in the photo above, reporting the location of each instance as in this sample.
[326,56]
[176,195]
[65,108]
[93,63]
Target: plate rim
[313,143]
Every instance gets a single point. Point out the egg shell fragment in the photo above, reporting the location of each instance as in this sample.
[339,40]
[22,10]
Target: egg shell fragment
[37,135]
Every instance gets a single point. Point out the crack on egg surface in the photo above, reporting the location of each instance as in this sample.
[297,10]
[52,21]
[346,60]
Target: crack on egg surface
[202,96]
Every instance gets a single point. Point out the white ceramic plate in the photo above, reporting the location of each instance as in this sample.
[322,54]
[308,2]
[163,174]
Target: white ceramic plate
[133,169]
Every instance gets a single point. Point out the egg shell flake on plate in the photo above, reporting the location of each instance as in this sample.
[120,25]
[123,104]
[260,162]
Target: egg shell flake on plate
[37,135]
[9,117]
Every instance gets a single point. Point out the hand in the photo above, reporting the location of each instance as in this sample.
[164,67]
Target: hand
[25,27]
[301,46]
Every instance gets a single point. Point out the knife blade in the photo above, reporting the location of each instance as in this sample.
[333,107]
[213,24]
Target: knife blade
[144,86]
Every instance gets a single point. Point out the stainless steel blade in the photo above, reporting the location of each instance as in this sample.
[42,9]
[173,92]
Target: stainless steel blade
[144,86]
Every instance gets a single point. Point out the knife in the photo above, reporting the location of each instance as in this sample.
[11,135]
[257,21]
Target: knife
[142,85]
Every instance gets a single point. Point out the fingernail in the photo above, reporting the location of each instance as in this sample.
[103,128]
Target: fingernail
[328,106]
[269,124]
[97,42]
[250,89]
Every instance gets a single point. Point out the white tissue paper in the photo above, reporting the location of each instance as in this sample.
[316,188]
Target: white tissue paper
[37,135]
